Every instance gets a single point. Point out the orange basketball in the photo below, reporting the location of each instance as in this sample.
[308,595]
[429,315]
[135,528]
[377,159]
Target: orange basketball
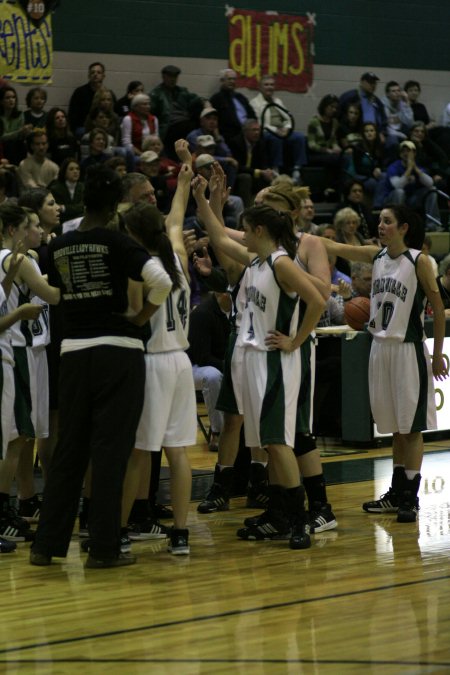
[357,312]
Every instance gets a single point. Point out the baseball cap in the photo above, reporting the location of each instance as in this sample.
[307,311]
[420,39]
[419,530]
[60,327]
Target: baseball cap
[407,144]
[370,77]
[205,141]
[208,111]
[204,160]
[170,70]
[148,157]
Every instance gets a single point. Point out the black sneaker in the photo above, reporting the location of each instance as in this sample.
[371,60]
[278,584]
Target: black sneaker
[217,499]
[149,529]
[388,503]
[257,497]
[178,542]
[409,502]
[321,518]
[14,528]
[7,546]
[300,538]
[30,509]
[161,512]
[269,526]
[125,543]
[102,563]
[255,520]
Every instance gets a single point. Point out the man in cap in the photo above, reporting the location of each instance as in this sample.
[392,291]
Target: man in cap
[408,183]
[372,109]
[176,108]
[234,206]
[221,153]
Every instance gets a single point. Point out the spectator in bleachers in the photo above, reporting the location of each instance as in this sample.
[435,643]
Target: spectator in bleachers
[412,88]
[122,106]
[206,144]
[106,120]
[233,108]
[349,131]
[286,147]
[37,170]
[103,101]
[305,220]
[323,146]
[138,124]
[167,167]
[13,130]
[233,207]
[347,222]
[409,183]
[354,198]
[68,190]
[149,164]
[61,142]
[176,108]
[368,163]
[399,114]
[209,126]
[98,144]
[371,106]
[430,155]
[250,150]
[81,99]
[117,164]
[35,115]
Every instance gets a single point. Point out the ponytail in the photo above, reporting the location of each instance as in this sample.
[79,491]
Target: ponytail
[146,224]
[279,225]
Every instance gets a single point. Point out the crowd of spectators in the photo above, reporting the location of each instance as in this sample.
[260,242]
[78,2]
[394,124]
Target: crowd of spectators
[373,151]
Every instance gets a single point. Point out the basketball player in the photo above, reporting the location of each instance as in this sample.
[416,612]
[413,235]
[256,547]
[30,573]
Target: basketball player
[29,419]
[168,417]
[271,363]
[400,372]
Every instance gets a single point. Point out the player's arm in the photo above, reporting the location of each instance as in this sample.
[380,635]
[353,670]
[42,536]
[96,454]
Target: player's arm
[293,280]
[175,218]
[37,283]
[349,252]
[218,237]
[318,267]
[431,290]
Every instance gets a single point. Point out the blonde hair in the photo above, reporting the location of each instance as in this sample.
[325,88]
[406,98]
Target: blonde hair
[283,194]
[342,215]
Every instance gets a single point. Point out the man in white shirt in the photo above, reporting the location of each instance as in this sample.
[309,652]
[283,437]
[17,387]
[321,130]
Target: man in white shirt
[287,148]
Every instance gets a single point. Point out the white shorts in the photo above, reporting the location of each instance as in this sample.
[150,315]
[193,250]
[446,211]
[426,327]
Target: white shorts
[270,388]
[169,415]
[7,390]
[401,387]
[31,395]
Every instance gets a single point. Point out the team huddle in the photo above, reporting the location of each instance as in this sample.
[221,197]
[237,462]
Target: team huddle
[124,382]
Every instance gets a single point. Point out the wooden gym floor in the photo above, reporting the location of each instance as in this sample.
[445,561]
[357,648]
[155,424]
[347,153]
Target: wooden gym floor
[372,596]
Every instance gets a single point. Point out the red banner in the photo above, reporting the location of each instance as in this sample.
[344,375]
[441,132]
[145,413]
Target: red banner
[267,43]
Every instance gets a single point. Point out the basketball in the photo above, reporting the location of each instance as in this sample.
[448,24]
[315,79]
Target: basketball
[357,312]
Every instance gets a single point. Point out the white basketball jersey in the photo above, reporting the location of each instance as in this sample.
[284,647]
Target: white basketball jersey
[21,335]
[169,326]
[40,327]
[267,306]
[397,300]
